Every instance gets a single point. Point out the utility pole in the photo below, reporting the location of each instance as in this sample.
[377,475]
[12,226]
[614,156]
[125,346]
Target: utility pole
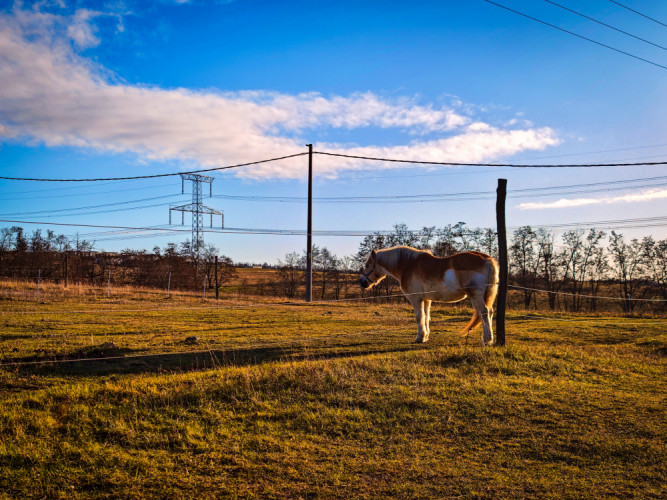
[198,210]
[309,240]
[501,194]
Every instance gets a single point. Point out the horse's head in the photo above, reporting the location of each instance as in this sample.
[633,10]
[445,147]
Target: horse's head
[371,274]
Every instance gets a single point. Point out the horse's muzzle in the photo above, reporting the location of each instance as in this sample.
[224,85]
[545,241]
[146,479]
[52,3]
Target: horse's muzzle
[364,282]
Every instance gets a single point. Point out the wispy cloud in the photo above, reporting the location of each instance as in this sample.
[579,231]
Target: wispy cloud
[53,95]
[649,195]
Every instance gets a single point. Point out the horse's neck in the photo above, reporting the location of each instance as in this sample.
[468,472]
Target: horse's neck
[391,265]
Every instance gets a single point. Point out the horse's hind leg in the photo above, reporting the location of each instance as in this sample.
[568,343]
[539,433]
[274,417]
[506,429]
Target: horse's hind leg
[485,315]
[420,316]
[427,319]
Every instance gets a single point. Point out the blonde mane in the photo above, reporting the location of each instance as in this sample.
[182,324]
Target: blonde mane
[395,258]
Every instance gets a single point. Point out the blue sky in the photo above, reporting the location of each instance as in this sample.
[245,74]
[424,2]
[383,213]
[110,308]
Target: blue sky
[122,88]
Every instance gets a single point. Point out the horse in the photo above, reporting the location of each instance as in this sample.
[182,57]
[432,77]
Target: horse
[424,278]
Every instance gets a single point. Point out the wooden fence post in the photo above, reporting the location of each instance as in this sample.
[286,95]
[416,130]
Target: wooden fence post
[216,276]
[501,195]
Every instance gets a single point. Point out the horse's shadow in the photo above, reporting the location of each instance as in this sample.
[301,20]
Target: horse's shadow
[104,361]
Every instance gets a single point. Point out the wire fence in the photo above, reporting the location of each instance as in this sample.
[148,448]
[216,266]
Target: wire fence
[212,306]
[110,289]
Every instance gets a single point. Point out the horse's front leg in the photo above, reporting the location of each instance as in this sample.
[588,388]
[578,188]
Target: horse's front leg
[427,319]
[420,316]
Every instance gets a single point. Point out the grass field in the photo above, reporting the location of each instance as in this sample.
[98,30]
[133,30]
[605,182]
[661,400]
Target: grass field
[233,398]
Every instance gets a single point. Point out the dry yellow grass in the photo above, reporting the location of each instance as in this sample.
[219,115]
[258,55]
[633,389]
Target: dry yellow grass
[286,400]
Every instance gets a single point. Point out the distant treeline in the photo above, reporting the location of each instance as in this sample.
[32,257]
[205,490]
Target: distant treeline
[65,260]
[573,271]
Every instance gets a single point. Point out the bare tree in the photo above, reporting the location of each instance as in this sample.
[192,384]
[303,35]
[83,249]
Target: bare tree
[290,274]
[598,272]
[579,254]
[446,240]
[627,262]
[347,266]
[655,258]
[550,264]
[402,236]
[371,242]
[524,260]
[425,237]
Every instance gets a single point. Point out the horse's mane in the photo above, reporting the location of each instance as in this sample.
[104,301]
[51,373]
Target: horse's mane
[397,257]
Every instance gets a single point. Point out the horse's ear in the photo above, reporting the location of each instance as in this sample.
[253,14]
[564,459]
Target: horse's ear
[374,253]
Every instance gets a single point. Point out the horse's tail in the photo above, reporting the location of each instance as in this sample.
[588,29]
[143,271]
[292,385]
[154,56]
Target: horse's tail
[492,277]
[492,282]
[474,322]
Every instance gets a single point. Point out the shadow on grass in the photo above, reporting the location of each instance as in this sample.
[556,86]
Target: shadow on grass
[86,362]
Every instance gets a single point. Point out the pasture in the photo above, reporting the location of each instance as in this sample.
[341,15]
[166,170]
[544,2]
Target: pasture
[255,397]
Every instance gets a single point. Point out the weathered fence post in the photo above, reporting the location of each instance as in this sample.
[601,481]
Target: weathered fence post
[168,284]
[216,276]
[309,239]
[501,195]
[205,283]
[39,275]
[66,268]
[109,283]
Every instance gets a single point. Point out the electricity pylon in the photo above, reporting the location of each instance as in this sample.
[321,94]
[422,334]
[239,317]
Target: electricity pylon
[198,210]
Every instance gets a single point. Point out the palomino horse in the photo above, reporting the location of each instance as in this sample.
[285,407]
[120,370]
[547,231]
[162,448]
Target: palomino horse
[425,278]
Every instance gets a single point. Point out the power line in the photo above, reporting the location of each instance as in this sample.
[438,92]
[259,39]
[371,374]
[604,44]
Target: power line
[641,222]
[634,148]
[577,35]
[637,12]
[411,175]
[60,189]
[658,221]
[74,209]
[341,155]
[605,24]
[449,173]
[439,197]
[512,165]
[72,195]
[155,175]
[604,183]
[98,226]
[97,212]
[584,154]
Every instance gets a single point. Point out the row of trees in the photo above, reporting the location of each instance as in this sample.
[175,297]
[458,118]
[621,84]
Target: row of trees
[584,264]
[575,269]
[63,260]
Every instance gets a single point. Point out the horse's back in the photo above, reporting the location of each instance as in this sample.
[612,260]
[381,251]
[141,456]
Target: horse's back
[469,261]
[427,266]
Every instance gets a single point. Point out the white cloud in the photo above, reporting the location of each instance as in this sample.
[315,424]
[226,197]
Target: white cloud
[6,131]
[82,31]
[55,96]
[649,195]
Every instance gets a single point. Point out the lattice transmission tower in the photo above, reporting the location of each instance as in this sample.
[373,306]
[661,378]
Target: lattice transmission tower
[198,209]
